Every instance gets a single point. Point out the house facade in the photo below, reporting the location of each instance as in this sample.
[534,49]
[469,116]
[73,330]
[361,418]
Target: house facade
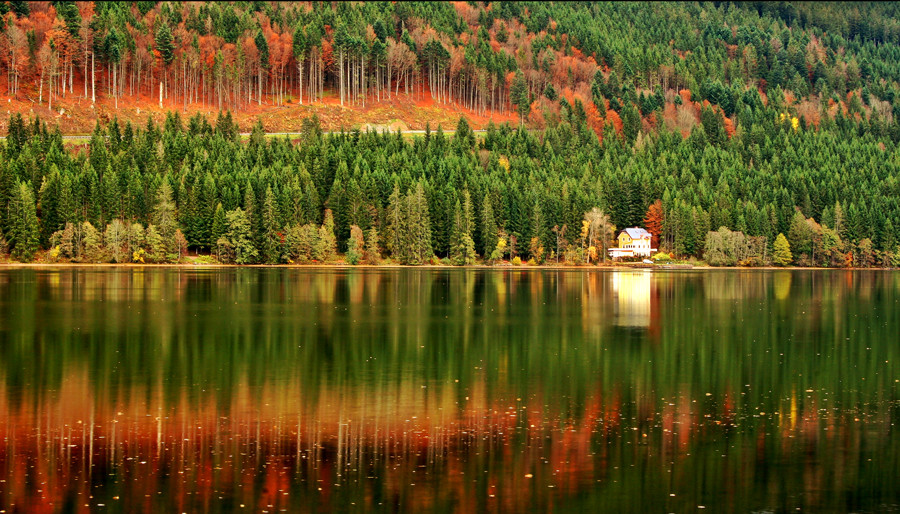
[633,242]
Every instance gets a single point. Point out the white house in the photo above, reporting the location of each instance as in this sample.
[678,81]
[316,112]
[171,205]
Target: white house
[633,242]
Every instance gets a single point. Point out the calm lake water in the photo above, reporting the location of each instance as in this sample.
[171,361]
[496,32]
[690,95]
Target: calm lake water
[276,389]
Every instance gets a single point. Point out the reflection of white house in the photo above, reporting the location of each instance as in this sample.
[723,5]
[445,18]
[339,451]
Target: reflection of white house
[632,290]
[633,242]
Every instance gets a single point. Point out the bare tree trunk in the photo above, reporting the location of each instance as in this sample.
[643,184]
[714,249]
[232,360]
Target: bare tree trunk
[300,77]
[93,82]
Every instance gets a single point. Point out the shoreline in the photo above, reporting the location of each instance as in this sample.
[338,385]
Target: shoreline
[341,266]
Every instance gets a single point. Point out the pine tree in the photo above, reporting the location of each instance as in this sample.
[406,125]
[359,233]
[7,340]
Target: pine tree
[207,202]
[420,225]
[164,43]
[164,216]
[518,95]
[49,195]
[239,237]
[488,226]
[394,222]
[271,237]
[24,228]
[251,212]
[219,226]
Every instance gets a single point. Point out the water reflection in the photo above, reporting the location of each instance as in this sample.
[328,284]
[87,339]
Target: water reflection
[165,389]
[633,297]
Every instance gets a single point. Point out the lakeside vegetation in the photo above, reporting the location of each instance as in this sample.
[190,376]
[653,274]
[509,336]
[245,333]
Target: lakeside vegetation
[152,194]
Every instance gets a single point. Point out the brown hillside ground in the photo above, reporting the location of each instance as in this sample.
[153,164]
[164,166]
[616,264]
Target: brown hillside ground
[74,115]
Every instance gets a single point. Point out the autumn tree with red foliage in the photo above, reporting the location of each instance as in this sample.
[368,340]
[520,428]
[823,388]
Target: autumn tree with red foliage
[653,222]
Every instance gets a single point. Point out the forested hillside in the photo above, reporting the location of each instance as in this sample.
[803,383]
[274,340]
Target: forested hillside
[762,118]
[150,194]
[638,66]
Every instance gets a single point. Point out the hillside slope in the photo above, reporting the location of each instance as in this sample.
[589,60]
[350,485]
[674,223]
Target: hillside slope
[634,66]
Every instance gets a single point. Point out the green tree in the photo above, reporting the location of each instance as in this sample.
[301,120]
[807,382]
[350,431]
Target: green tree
[373,252]
[165,44]
[488,226]
[219,226]
[518,95]
[92,244]
[500,250]
[155,244]
[24,228]
[239,237]
[272,236]
[418,226]
[326,244]
[164,216]
[782,251]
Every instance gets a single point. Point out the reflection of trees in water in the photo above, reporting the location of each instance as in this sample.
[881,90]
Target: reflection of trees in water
[429,447]
[385,371]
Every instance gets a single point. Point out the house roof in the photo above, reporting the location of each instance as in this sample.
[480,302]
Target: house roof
[637,233]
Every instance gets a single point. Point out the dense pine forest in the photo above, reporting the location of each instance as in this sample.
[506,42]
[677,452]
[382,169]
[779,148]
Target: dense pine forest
[738,133]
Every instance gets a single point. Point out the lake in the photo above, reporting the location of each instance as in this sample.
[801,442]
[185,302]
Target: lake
[270,389]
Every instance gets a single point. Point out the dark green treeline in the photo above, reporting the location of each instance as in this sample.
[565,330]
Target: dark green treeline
[152,193]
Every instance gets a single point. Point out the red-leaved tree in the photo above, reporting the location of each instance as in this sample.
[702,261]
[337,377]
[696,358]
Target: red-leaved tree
[653,222]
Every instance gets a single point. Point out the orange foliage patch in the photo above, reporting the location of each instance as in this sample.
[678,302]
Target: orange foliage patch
[653,221]
[465,11]
[593,119]
[729,127]
[685,95]
[789,97]
[536,115]
[669,113]
[613,117]
[327,54]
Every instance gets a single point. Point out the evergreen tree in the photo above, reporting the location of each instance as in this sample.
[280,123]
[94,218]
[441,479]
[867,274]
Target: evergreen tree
[219,226]
[272,235]
[164,216]
[518,95]
[394,222]
[164,43]
[488,226]
[239,237]
[23,221]
[419,226]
